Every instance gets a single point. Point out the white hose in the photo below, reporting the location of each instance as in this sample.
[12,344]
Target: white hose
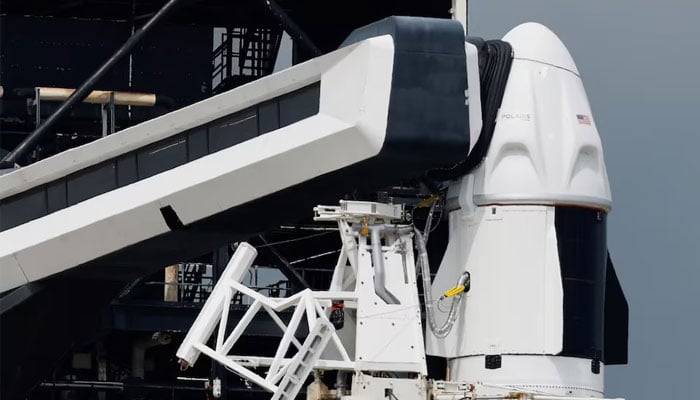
[444,330]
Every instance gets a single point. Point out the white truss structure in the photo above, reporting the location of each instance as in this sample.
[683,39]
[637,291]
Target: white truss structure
[375,280]
[308,310]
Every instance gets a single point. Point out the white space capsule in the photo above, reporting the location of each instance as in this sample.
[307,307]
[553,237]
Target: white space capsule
[529,226]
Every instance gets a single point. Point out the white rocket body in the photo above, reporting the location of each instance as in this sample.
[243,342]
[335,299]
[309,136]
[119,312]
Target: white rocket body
[541,190]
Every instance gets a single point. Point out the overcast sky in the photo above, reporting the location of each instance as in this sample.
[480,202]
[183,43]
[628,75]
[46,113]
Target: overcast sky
[639,61]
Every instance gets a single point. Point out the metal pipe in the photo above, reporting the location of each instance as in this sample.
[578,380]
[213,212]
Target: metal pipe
[84,90]
[286,266]
[291,27]
[378,261]
[84,385]
[99,96]
[140,385]
[341,384]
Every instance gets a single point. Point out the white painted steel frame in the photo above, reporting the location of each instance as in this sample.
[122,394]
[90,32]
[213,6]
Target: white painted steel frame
[208,317]
[306,303]
[351,283]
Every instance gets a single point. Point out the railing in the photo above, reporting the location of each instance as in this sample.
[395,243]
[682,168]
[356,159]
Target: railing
[195,282]
[244,52]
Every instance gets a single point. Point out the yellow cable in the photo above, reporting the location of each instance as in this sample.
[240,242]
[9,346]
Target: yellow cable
[454,291]
[429,200]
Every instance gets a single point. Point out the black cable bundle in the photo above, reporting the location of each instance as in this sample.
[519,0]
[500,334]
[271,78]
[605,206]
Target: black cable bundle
[493,73]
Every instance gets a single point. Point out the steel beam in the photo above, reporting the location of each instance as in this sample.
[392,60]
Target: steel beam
[85,89]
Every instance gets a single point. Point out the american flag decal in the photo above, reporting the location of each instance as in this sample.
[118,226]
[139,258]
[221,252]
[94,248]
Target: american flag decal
[583,119]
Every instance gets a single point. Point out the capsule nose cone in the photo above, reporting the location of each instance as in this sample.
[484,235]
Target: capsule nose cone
[533,41]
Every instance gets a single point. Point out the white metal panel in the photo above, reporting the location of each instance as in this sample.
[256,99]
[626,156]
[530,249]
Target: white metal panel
[11,274]
[366,387]
[473,94]
[553,285]
[462,228]
[545,148]
[389,336]
[264,165]
[564,376]
[516,299]
[460,12]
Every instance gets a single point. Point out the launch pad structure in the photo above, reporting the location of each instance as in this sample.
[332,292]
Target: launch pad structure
[405,212]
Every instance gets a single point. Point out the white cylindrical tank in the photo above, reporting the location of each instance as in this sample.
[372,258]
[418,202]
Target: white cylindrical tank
[529,226]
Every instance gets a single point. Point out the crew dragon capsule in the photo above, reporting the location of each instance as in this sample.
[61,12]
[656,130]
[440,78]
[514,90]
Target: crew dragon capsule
[545,309]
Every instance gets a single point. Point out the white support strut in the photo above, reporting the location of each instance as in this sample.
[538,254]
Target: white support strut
[401,346]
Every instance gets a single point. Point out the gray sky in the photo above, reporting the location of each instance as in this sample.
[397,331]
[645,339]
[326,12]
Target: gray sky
[639,61]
